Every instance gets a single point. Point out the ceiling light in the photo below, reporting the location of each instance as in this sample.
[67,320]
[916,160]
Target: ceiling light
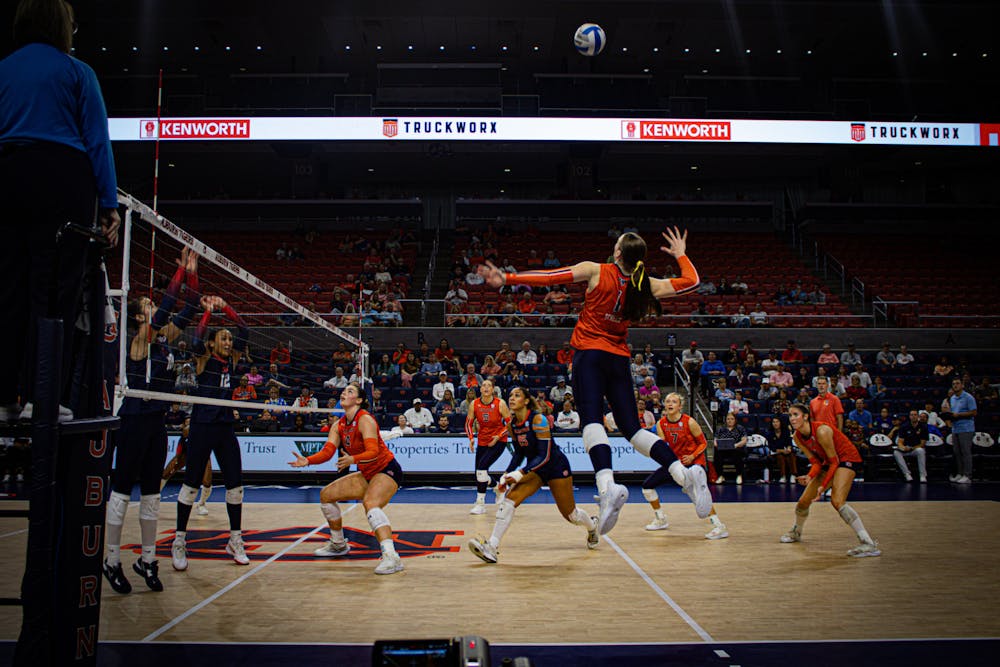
[135,49]
[347,47]
[748,50]
[694,167]
[228,48]
[441,48]
[260,48]
[197,48]
[656,49]
[534,48]
[778,51]
[503,48]
[809,52]
[166,48]
[924,54]
[686,50]
[410,47]
[895,53]
[718,50]
[378,47]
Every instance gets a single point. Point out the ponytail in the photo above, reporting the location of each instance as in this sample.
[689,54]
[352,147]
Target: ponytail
[639,300]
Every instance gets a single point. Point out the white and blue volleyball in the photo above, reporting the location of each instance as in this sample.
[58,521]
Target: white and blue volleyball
[589,39]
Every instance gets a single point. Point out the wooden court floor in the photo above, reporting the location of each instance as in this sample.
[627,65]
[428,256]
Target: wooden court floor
[938,578]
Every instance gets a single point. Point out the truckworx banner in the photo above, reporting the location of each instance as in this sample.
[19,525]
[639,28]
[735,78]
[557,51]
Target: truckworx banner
[649,130]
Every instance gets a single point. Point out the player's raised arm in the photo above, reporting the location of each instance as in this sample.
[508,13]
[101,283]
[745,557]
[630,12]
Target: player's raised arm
[578,273]
[676,246]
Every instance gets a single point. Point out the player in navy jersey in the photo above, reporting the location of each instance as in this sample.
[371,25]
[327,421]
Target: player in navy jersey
[212,428]
[141,442]
[537,461]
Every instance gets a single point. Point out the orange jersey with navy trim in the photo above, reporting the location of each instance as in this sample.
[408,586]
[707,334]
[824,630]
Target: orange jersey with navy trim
[678,436]
[846,451]
[600,326]
[490,421]
[352,442]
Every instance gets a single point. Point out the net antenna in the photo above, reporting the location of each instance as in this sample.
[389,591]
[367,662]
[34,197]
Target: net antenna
[136,210]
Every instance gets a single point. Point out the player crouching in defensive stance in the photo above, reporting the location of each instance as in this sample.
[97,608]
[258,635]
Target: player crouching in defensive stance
[831,453]
[374,484]
[546,464]
[684,435]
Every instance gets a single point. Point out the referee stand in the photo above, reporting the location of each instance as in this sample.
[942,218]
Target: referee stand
[71,462]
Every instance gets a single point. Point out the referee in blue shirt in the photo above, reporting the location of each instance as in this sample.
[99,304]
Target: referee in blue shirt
[56,166]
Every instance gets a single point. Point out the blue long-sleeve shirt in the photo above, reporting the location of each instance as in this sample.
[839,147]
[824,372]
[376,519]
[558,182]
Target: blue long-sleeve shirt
[47,95]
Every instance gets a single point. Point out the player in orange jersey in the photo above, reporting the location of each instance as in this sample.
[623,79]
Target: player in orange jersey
[486,428]
[834,461]
[684,435]
[375,483]
[618,292]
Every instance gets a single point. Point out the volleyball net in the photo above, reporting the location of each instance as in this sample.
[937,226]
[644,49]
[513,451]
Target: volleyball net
[294,360]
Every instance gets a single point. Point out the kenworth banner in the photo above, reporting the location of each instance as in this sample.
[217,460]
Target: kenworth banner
[649,130]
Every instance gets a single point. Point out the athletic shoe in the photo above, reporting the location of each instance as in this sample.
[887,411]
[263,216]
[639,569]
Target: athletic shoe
[964,479]
[908,477]
[9,413]
[332,548]
[739,479]
[717,533]
[20,477]
[202,510]
[953,478]
[116,578]
[6,478]
[697,491]
[593,537]
[389,564]
[864,550]
[65,414]
[611,503]
[484,549]
[478,508]
[794,535]
[658,524]
[150,572]
[783,480]
[235,549]
[179,554]
[923,479]
[720,480]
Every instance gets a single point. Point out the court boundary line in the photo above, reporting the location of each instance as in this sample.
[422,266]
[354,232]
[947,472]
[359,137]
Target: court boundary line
[693,624]
[13,533]
[233,584]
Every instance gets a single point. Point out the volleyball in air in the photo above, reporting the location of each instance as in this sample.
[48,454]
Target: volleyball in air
[589,39]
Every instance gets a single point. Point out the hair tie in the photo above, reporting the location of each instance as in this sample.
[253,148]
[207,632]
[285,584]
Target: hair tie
[640,268]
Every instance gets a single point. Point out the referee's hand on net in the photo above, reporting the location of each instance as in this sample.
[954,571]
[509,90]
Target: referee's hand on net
[110,221]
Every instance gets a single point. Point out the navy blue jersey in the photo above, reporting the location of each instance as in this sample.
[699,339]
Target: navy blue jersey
[160,378]
[532,443]
[214,382]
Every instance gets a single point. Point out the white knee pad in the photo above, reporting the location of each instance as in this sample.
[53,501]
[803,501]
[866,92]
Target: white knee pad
[330,510]
[234,496]
[650,495]
[679,472]
[117,506]
[187,495]
[643,441]
[594,434]
[377,518]
[579,517]
[483,476]
[847,513]
[149,507]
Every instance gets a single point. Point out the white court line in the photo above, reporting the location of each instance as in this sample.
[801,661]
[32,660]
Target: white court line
[659,591]
[16,532]
[236,582]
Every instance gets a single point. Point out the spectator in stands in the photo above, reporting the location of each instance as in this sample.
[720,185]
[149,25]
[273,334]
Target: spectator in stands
[711,370]
[417,418]
[885,359]
[377,403]
[827,356]
[473,277]
[862,416]
[740,320]
[648,388]
[443,385]
[781,404]
[779,440]
[470,379]
[402,427]
[568,420]
[820,373]
[738,286]
[767,392]
[751,367]
[723,286]
[700,317]
[706,287]
[782,378]
[491,367]
[549,318]
[758,316]
[466,404]
[803,397]
[409,369]
[544,356]
[342,357]
[841,382]
[769,366]
[802,379]
[961,409]
[186,380]
[274,378]
[558,294]
[817,296]
[855,391]
[244,391]
[565,354]
[850,358]
[254,378]
[943,368]
[265,423]
[738,406]
[431,366]
[357,377]
[904,358]
[737,378]
[505,356]
[876,392]
[525,306]
[526,356]
[864,379]
[515,377]
[792,354]
[882,423]
[446,404]
[911,440]
[442,425]
[613,231]
[731,356]
[551,261]
[401,354]
[641,370]
[306,399]
[646,419]
[175,417]
[385,367]
[826,407]
[456,294]
[182,356]
[735,433]
[456,315]
[392,314]
[339,301]
[446,354]
[719,320]
[798,294]
[560,391]
[692,360]
[984,391]
[781,296]
[281,353]
[723,394]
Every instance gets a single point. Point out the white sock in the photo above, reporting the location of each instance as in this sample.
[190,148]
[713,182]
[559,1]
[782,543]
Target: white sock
[716,521]
[181,535]
[388,548]
[659,514]
[852,519]
[337,535]
[235,535]
[206,491]
[505,514]
[800,519]
[149,553]
[605,478]
[480,498]
[114,555]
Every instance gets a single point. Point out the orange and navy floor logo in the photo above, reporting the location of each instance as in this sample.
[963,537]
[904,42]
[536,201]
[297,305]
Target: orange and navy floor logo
[262,544]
